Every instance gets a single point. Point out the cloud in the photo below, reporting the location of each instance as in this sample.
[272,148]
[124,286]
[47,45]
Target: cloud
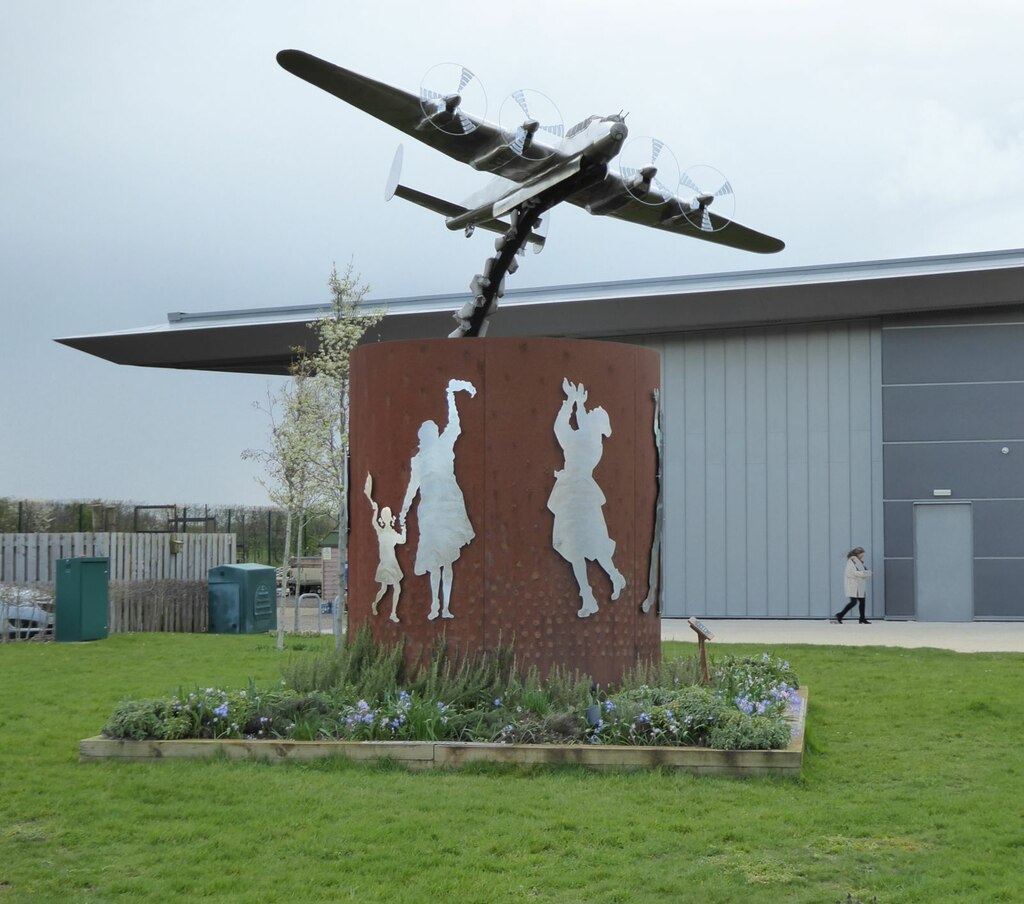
[946,159]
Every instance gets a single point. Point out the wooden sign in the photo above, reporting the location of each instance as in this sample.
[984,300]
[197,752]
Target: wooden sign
[704,634]
[702,630]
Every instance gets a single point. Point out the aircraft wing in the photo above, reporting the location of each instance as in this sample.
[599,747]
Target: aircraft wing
[483,146]
[668,216]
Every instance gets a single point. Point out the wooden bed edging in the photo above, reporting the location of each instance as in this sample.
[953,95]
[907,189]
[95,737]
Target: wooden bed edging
[453,754]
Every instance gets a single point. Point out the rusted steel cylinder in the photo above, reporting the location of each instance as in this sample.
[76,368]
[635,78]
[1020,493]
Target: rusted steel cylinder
[535,412]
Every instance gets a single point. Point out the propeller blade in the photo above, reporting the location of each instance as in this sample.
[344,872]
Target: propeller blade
[724,198]
[665,191]
[520,119]
[520,99]
[689,183]
[446,110]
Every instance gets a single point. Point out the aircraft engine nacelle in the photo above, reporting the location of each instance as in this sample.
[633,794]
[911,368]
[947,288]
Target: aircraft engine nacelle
[610,195]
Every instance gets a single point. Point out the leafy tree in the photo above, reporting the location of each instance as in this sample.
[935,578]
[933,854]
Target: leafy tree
[308,459]
[293,412]
[338,332]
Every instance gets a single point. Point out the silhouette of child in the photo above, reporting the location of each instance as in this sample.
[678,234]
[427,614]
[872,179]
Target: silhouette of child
[389,572]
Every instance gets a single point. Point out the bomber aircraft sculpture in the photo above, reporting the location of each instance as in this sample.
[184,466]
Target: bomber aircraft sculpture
[538,164]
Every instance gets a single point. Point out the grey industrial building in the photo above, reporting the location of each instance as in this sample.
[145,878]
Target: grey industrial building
[806,411]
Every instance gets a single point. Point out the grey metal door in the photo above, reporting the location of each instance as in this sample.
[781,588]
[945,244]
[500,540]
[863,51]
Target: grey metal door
[944,561]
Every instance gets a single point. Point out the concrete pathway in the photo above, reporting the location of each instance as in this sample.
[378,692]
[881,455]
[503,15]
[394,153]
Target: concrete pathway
[964,637]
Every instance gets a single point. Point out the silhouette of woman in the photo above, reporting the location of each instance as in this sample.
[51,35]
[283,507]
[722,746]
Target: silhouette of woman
[580,531]
[444,526]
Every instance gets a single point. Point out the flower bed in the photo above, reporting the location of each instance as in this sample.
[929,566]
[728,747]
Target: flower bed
[361,703]
[418,755]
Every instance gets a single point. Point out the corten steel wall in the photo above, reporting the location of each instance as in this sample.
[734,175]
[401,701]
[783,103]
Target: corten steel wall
[509,582]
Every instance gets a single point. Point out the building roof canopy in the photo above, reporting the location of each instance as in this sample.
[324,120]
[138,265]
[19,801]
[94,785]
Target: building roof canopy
[262,340]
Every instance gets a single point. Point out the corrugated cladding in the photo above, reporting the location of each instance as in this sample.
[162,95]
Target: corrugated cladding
[773,467]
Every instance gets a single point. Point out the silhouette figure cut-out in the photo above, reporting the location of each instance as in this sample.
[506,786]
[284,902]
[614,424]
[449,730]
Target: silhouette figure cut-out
[653,579]
[389,572]
[444,526]
[580,531]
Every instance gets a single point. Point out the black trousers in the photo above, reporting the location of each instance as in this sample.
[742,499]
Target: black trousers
[854,601]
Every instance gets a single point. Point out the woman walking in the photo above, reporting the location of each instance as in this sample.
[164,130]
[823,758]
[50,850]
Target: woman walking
[855,581]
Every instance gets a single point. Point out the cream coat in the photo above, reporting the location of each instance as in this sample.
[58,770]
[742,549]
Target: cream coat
[855,580]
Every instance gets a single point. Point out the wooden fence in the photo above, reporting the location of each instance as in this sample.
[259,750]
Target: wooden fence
[32,558]
[158,606]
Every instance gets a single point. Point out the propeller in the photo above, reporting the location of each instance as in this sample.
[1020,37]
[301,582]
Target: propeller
[702,181]
[444,92]
[649,170]
[539,134]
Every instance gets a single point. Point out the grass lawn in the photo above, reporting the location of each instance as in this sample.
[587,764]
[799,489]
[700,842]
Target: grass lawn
[912,791]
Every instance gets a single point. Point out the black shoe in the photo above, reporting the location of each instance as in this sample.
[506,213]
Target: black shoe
[838,618]
[863,621]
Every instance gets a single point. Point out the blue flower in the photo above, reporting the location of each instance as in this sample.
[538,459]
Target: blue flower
[497,701]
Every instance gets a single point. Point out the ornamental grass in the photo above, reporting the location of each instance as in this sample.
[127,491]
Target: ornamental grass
[366,692]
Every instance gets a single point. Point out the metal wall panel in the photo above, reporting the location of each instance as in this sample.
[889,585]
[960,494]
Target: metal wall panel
[899,587]
[970,353]
[953,401]
[969,470]
[899,529]
[998,527]
[953,411]
[999,588]
[772,467]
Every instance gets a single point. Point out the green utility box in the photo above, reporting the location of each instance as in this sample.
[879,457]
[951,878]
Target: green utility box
[82,598]
[242,599]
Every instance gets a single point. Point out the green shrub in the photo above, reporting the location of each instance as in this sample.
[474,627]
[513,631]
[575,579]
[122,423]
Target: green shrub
[365,692]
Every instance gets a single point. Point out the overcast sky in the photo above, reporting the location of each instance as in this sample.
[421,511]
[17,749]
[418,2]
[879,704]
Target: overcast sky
[154,158]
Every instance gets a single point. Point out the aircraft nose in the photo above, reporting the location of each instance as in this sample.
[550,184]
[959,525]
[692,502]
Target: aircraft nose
[619,131]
